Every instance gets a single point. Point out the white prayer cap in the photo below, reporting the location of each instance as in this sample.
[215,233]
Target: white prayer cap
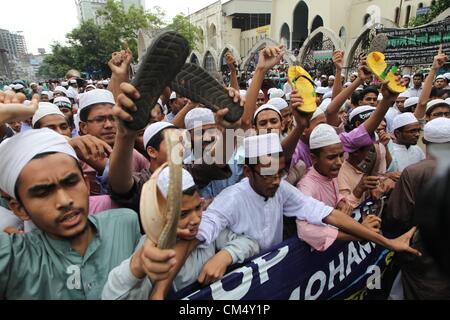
[71,94]
[440,77]
[447,75]
[403,120]
[410,102]
[91,86]
[437,130]
[22,148]
[331,78]
[322,136]
[48,93]
[105,82]
[73,81]
[347,84]
[7,88]
[265,107]
[33,84]
[199,117]
[62,102]
[321,90]
[261,92]
[262,145]
[407,76]
[243,93]
[364,112]
[317,113]
[45,109]
[90,81]
[173,95]
[96,96]
[436,102]
[323,76]
[61,89]
[164,178]
[277,93]
[328,95]
[405,94]
[269,92]
[154,129]
[18,86]
[64,83]
[324,105]
[448,101]
[278,103]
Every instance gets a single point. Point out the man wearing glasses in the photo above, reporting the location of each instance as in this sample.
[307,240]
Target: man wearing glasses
[96,119]
[405,151]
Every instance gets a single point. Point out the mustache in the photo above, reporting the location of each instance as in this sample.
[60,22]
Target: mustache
[63,213]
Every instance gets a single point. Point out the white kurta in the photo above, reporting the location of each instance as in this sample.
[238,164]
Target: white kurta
[403,157]
[243,211]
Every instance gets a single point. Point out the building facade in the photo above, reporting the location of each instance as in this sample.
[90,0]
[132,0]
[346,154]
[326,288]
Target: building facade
[87,8]
[14,43]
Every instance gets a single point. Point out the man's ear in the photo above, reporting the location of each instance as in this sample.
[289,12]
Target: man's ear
[247,171]
[88,185]
[314,158]
[152,153]
[83,128]
[19,210]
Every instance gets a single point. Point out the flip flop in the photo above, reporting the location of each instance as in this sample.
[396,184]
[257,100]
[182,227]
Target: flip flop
[162,62]
[305,86]
[378,66]
[159,216]
[197,84]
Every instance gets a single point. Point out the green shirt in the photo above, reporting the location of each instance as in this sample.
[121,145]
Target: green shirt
[36,267]
[4,203]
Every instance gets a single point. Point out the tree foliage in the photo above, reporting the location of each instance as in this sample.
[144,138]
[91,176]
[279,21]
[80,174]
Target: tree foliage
[90,45]
[436,9]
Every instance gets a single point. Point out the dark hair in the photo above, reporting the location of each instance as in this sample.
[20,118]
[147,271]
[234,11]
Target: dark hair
[435,92]
[257,115]
[419,75]
[355,98]
[191,191]
[316,152]
[366,91]
[84,114]
[157,139]
[38,124]
[40,156]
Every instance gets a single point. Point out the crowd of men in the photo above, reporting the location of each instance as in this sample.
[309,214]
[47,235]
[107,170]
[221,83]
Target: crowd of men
[72,174]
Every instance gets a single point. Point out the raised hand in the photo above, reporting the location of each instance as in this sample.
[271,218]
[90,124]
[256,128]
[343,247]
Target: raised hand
[220,115]
[338,59]
[270,57]
[231,61]
[90,148]
[440,59]
[120,61]
[13,109]
[125,104]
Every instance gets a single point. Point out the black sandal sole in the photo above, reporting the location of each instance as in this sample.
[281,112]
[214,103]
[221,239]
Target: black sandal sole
[198,85]
[162,62]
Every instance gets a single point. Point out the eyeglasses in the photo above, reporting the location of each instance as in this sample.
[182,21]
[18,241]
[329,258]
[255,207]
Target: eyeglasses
[102,119]
[279,175]
[441,115]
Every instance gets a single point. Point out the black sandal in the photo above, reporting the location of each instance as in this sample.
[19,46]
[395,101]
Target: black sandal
[198,85]
[162,62]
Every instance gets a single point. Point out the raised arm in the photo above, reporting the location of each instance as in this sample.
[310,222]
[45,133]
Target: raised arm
[121,161]
[439,61]
[338,60]
[231,62]
[378,116]
[268,58]
[12,109]
[119,65]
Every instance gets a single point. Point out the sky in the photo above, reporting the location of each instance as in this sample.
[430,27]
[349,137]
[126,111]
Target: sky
[46,21]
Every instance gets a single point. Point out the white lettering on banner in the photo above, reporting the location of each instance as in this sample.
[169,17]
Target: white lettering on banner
[334,271]
[367,248]
[318,276]
[352,257]
[74,280]
[219,293]
[374,280]
[295,295]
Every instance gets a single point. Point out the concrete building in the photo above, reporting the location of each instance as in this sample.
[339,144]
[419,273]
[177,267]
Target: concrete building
[14,43]
[87,8]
